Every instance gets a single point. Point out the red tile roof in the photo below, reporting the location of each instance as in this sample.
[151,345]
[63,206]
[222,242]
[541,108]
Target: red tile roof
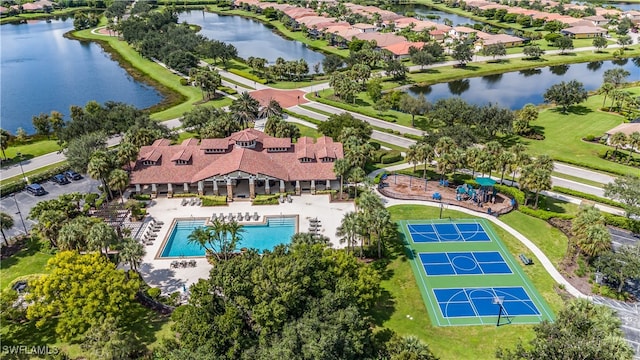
[255,160]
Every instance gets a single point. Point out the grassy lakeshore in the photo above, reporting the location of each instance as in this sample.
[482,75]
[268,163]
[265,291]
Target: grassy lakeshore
[42,15]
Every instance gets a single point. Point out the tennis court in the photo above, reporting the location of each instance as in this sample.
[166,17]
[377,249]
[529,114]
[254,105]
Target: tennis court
[464,263]
[421,233]
[467,276]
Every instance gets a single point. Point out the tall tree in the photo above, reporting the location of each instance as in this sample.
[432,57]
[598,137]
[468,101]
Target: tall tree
[426,154]
[462,53]
[119,180]
[341,167]
[582,330]
[617,140]
[101,237]
[244,109]
[616,76]
[6,223]
[4,141]
[80,291]
[414,106]
[99,168]
[600,42]
[566,94]
[590,235]
[626,190]
[131,252]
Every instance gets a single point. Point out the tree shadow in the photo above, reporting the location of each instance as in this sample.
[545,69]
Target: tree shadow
[538,59]
[568,54]
[28,334]
[579,110]
[549,204]
[29,248]
[509,140]
[427,71]
[147,324]
[537,129]
[384,308]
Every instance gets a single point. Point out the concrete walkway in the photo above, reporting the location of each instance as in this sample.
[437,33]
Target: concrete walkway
[542,258]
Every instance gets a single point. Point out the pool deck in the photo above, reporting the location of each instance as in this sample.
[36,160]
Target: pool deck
[157,272]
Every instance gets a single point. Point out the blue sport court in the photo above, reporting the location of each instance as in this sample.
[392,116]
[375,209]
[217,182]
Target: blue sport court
[464,263]
[444,232]
[478,302]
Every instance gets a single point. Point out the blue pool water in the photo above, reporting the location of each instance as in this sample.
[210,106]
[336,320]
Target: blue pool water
[262,236]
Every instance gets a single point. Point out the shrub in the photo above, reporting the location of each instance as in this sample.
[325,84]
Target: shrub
[181,195]
[391,157]
[266,199]
[227,90]
[12,188]
[329,191]
[246,75]
[184,82]
[583,195]
[589,138]
[512,192]
[142,197]
[213,200]
[375,145]
[19,185]
[412,137]
[622,222]
[154,293]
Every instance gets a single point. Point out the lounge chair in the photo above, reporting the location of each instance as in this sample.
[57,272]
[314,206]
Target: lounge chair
[314,221]
[174,264]
[247,216]
[281,199]
[183,263]
[289,198]
[213,217]
[198,202]
[230,217]
[192,263]
[193,201]
[221,217]
[184,202]
[256,217]
[239,216]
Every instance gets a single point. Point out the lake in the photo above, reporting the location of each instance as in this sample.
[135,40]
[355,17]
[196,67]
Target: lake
[43,71]
[250,37]
[515,89]
[434,15]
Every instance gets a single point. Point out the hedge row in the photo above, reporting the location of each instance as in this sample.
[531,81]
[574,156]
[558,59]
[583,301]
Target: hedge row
[184,195]
[302,117]
[213,200]
[412,136]
[19,185]
[227,90]
[391,156]
[247,75]
[266,199]
[580,194]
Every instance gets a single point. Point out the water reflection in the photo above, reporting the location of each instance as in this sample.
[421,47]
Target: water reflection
[515,89]
[434,15]
[594,65]
[250,37]
[559,69]
[620,62]
[457,87]
[42,71]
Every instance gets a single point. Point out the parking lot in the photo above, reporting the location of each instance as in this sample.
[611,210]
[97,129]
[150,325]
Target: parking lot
[22,202]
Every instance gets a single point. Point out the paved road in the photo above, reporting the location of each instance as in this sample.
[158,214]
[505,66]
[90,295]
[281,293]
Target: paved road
[583,173]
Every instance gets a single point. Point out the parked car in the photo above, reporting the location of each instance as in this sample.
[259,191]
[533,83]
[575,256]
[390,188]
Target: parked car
[36,189]
[70,174]
[60,179]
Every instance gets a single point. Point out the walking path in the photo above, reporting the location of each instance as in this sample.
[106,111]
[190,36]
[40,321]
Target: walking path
[542,258]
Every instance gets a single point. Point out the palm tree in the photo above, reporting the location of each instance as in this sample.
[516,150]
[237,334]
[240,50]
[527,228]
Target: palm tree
[380,218]
[272,109]
[505,162]
[99,167]
[6,223]
[101,236]
[244,109]
[234,229]
[494,149]
[443,148]
[596,241]
[358,155]
[348,229]
[119,180]
[581,227]
[605,89]
[413,157]
[127,152]
[202,236]
[73,235]
[426,154]
[634,143]
[49,224]
[535,179]
[618,139]
[341,167]
[356,175]
[4,141]
[132,253]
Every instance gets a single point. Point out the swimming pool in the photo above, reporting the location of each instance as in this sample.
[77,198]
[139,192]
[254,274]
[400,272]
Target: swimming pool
[276,230]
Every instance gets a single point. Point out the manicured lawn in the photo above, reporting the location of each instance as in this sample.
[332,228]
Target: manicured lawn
[308,131]
[33,149]
[564,132]
[458,342]
[34,16]
[28,261]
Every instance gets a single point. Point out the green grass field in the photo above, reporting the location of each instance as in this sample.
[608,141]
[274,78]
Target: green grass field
[403,297]
[564,133]
[452,311]
[33,149]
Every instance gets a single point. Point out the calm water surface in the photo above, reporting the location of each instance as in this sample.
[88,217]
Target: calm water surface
[426,12]
[515,89]
[250,37]
[42,71]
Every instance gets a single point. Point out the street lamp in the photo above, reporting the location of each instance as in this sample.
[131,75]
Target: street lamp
[20,163]
[20,214]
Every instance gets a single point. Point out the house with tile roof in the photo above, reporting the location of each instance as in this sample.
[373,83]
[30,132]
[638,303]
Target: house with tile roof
[582,32]
[239,166]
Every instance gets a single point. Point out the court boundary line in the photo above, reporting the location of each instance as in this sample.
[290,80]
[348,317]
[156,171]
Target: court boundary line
[478,263]
[492,288]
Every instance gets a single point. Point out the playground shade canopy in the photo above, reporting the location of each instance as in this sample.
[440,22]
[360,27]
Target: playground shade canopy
[485,181]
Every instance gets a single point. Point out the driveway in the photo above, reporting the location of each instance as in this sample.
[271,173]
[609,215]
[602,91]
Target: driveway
[23,201]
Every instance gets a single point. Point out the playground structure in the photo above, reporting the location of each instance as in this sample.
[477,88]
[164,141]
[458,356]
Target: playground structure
[484,198]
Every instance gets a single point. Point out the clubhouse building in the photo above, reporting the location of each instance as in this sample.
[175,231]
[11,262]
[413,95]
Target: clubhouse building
[247,163]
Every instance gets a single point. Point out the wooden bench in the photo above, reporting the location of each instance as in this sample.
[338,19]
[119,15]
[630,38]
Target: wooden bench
[525,260]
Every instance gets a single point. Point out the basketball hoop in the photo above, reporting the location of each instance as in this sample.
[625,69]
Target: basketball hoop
[498,300]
